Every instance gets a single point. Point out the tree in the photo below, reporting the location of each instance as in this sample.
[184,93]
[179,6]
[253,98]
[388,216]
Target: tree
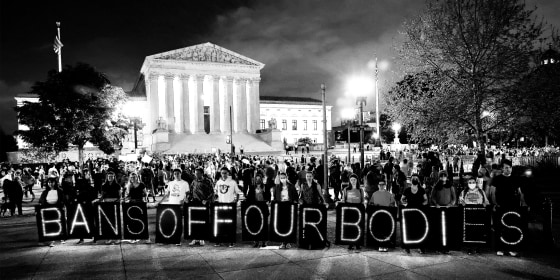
[76,106]
[539,93]
[477,50]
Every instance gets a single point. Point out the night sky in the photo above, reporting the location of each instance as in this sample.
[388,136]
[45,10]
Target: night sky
[302,43]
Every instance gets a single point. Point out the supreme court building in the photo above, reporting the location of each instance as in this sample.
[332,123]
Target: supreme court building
[191,99]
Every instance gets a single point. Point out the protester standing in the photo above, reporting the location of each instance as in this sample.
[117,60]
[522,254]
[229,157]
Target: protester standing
[353,194]
[227,191]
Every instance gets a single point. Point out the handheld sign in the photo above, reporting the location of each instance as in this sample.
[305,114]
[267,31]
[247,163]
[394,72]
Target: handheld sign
[350,221]
[313,229]
[445,227]
[511,225]
[415,227]
[283,222]
[381,226]
[80,221]
[51,223]
[108,220]
[476,225]
[135,217]
[223,218]
[254,221]
[169,224]
[196,221]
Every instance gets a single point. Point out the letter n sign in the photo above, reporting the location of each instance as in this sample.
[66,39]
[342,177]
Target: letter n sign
[51,223]
[108,219]
[350,220]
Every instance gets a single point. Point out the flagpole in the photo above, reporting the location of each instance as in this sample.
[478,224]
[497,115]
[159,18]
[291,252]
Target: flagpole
[60,49]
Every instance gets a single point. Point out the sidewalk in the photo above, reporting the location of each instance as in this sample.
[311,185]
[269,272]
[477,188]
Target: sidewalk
[21,257]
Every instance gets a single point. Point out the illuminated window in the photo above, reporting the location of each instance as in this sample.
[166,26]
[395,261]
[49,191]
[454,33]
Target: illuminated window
[284,125]
[294,124]
[314,124]
[262,124]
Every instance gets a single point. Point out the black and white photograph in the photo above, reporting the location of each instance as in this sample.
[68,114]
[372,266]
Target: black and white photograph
[280,139]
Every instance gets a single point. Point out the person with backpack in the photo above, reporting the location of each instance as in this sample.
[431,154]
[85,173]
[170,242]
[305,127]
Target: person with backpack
[353,194]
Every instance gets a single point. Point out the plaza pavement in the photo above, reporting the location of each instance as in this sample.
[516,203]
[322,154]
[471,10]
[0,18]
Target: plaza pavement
[22,257]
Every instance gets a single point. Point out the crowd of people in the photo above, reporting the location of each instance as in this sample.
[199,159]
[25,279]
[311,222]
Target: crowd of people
[208,178]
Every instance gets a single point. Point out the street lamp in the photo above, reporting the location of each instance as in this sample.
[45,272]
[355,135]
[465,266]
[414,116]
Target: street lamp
[360,87]
[397,128]
[348,114]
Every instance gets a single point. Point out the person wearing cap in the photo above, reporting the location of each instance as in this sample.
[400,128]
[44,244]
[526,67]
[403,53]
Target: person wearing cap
[382,197]
[353,194]
[227,191]
[443,194]
[201,193]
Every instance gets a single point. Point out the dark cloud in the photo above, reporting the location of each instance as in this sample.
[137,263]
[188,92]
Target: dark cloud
[302,43]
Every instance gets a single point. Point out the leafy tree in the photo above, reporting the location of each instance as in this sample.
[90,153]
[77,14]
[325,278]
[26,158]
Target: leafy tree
[76,106]
[476,50]
[539,93]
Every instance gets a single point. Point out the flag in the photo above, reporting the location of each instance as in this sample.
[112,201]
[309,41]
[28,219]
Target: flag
[57,44]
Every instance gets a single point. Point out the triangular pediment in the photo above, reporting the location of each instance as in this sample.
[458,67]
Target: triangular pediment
[207,52]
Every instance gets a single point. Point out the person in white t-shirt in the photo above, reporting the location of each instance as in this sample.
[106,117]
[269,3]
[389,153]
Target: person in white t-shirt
[226,191]
[176,189]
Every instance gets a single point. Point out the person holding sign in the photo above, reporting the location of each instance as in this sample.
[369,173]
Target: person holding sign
[284,192]
[353,194]
[473,196]
[310,191]
[258,192]
[414,197]
[227,191]
[443,194]
[176,191]
[52,195]
[505,193]
[111,191]
[201,192]
[135,190]
[383,198]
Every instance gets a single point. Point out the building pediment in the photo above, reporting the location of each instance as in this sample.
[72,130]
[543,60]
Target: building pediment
[207,52]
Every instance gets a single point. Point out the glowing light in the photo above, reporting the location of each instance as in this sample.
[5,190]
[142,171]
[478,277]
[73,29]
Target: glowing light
[223,221]
[191,221]
[443,229]
[114,227]
[139,220]
[359,86]
[356,224]
[262,220]
[82,223]
[512,227]
[405,232]
[57,221]
[465,224]
[275,225]
[396,127]
[313,224]
[393,225]
[175,222]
